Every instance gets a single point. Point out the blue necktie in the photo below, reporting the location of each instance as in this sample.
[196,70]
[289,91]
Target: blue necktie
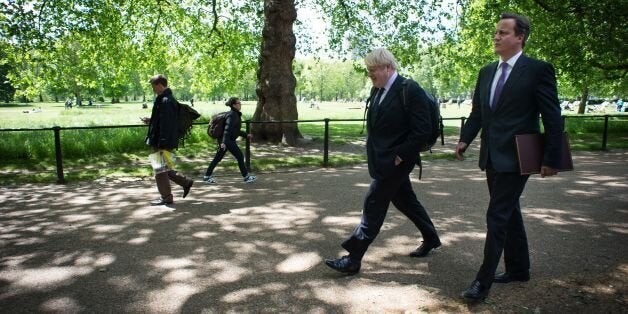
[499,86]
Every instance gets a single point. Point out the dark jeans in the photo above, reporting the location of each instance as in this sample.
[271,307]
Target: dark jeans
[504,223]
[398,190]
[233,148]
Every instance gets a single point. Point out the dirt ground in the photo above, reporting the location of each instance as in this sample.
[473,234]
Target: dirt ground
[97,247]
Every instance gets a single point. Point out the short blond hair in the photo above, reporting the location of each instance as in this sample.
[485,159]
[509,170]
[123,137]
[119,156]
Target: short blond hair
[380,56]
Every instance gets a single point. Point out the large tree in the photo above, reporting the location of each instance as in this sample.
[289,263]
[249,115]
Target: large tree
[275,80]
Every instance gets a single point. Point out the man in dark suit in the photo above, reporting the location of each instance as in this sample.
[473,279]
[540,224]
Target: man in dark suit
[509,96]
[396,131]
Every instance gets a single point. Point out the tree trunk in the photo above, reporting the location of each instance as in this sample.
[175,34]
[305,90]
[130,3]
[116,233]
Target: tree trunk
[583,101]
[275,80]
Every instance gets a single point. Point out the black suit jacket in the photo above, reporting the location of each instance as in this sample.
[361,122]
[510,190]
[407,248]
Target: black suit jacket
[397,130]
[529,91]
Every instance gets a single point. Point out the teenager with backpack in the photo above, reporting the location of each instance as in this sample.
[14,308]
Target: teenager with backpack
[163,137]
[227,142]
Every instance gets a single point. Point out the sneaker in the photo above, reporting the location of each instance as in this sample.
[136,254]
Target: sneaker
[209,179]
[249,178]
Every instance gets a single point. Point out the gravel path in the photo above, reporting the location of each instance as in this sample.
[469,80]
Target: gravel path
[97,247]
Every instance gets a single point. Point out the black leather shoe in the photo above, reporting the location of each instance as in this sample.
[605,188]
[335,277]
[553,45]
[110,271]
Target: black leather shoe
[187,187]
[160,202]
[344,265]
[425,248]
[508,277]
[476,292]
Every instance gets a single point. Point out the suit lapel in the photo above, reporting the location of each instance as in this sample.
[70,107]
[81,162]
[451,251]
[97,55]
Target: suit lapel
[488,83]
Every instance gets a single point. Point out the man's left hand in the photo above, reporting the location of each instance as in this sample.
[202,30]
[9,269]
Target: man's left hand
[548,171]
[398,160]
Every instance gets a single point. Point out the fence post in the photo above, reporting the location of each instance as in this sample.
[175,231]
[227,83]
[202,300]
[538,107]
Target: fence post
[58,157]
[605,135]
[442,131]
[247,147]
[326,144]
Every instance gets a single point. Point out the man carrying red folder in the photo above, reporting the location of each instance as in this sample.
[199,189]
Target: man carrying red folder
[509,96]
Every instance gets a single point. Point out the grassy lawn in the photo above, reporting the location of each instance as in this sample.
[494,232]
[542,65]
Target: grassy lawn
[28,156]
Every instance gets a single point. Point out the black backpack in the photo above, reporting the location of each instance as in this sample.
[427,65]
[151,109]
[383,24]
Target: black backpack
[435,118]
[216,126]
[187,115]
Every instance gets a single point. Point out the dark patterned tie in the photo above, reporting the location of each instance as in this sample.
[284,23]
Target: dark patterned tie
[499,86]
[378,97]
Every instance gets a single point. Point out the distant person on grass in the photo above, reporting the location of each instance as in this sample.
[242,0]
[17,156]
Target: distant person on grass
[233,126]
[163,138]
[509,96]
[395,134]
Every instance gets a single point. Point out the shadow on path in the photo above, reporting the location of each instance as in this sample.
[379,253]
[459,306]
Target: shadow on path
[231,247]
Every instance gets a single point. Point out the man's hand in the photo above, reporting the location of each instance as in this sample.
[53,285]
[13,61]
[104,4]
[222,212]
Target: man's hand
[223,146]
[398,160]
[548,171]
[460,149]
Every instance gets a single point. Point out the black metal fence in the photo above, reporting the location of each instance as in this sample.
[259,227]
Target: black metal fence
[59,156]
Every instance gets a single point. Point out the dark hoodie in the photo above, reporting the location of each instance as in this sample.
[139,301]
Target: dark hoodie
[162,130]
[233,124]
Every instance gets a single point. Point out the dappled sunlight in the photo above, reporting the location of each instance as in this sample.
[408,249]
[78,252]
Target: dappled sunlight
[440,193]
[260,247]
[224,271]
[619,227]
[242,295]
[299,262]
[348,220]
[278,215]
[361,295]
[167,300]
[164,262]
[452,237]
[62,305]
[42,278]
[559,217]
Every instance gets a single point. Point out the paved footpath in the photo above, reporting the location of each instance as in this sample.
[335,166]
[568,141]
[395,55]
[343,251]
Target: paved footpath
[97,247]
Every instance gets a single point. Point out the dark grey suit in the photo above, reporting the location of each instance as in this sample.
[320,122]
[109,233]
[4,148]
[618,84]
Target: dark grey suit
[393,131]
[530,90]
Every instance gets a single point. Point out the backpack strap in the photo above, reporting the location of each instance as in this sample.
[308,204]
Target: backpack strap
[366,107]
[404,92]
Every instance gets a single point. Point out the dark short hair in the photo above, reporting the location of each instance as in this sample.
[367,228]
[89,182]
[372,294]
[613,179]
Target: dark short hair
[159,79]
[522,25]
[232,101]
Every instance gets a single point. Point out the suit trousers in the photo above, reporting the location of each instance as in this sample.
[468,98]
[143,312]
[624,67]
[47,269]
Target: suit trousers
[505,230]
[398,190]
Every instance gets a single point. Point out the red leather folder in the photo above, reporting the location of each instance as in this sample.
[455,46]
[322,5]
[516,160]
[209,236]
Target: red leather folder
[530,153]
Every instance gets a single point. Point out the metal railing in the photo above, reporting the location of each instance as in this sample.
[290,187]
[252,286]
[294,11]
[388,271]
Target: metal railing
[59,156]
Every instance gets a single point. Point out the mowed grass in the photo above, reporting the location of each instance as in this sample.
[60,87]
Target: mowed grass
[88,154]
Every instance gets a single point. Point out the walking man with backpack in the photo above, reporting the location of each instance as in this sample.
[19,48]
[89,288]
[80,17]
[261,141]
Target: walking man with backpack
[163,137]
[227,141]
[396,132]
